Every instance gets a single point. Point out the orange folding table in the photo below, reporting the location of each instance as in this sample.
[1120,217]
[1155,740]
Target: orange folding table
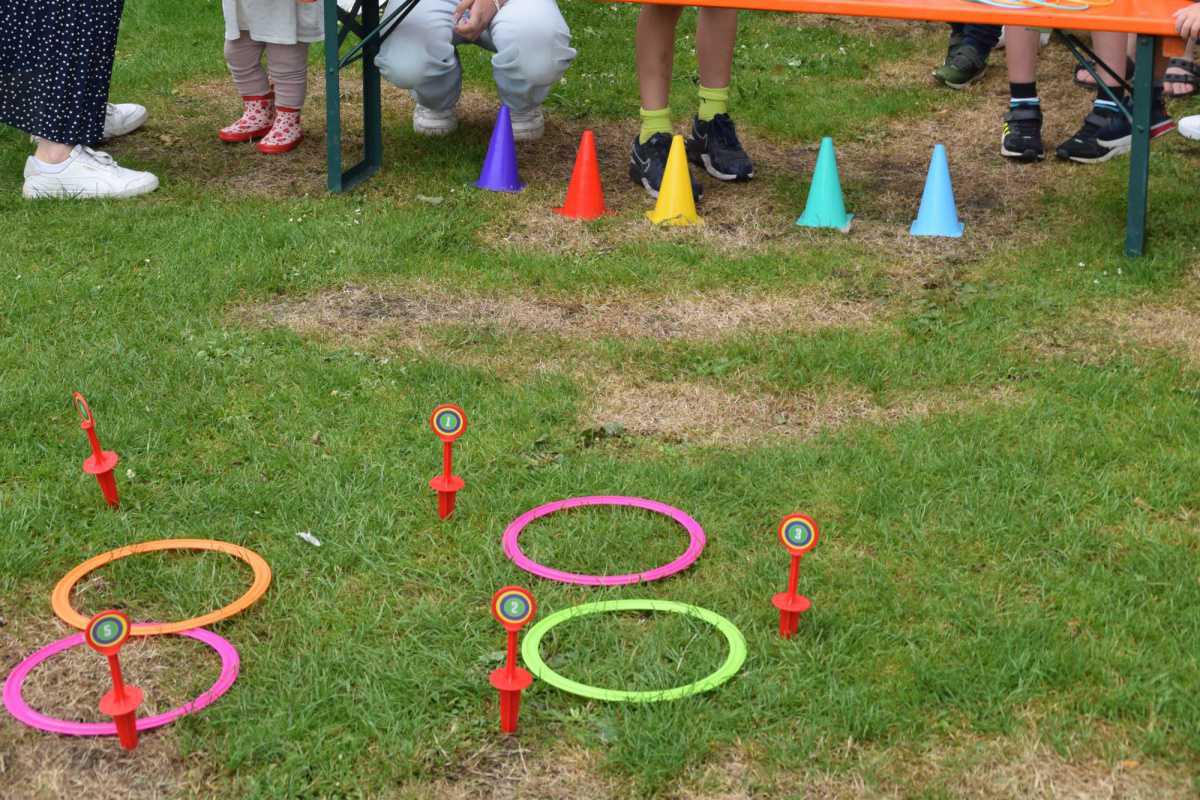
[1151,20]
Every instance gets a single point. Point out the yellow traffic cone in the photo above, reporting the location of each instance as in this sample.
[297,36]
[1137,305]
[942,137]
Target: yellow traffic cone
[675,206]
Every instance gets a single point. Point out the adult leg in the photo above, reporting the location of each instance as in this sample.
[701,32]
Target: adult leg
[533,50]
[419,55]
[64,54]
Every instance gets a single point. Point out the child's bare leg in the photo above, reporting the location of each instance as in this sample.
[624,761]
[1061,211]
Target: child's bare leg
[1021,53]
[1111,49]
[655,45]
[716,32]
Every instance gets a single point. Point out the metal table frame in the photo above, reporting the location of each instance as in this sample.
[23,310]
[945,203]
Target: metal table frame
[362,21]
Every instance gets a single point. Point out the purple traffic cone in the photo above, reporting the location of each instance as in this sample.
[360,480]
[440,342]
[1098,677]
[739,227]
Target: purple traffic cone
[499,173]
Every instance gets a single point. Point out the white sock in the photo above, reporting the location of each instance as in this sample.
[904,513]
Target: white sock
[51,169]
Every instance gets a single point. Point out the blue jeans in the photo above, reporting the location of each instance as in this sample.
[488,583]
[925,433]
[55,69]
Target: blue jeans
[982,37]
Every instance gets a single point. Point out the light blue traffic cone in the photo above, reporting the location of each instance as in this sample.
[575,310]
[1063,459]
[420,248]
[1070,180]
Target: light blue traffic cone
[937,215]
[825,207]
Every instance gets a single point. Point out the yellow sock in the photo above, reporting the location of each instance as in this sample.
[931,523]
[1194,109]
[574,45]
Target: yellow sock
[656,121]
[713,102]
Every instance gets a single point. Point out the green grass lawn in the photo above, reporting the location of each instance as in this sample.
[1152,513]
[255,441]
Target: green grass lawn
[998,437]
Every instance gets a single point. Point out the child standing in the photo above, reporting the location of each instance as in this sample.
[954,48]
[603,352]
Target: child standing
[283,29]
[713,143]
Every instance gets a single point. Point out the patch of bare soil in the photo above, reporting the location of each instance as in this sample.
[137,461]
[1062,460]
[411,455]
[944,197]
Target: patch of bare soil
[36,765]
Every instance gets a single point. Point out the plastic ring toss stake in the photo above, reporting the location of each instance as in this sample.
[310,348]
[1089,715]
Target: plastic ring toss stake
[17,706]
[512,548]
[531,655]
[60,598]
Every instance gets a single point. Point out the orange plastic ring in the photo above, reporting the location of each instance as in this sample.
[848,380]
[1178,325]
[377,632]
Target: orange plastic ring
[60,598]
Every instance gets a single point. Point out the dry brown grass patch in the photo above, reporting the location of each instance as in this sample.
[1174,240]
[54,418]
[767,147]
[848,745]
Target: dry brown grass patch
[510,771]
[407,313]
[1174,328]
[703,413]
[35,765]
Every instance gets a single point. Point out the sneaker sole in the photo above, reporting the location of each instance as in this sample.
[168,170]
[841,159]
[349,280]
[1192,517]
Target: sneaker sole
[1113,153]
[1027,157]
[430,130]
[238,138]
[962,85]
[528,134]
[706,162]
[59,193]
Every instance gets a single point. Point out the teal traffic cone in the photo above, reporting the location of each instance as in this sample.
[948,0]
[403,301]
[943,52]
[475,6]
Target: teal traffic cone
[938,215]
[825,207]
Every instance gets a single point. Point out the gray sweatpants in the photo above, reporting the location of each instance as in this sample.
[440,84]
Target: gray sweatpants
[529,37]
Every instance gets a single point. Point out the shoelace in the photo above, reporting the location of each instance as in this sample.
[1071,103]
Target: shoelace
[724,132]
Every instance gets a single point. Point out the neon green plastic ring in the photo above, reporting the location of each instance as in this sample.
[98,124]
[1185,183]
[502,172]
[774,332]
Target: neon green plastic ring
[531,647]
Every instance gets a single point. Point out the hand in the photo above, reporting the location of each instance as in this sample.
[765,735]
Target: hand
[472,17]
[1187,21]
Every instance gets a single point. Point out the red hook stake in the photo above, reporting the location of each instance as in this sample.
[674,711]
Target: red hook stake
[101,462]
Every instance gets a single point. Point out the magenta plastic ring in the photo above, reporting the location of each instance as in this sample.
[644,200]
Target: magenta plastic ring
[17,706]
[513,550]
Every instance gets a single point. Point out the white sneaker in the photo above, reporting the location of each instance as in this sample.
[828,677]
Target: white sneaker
[528,125]
[1190,126]
[86,173]
[428,122]
[123,118]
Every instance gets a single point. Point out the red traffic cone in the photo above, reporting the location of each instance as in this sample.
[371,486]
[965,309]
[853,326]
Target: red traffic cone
[585,195]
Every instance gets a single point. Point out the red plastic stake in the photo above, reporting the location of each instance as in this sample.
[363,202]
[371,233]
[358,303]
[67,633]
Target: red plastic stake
[106,633]
[512,607]
[448,422]
[101,462]
[799,534]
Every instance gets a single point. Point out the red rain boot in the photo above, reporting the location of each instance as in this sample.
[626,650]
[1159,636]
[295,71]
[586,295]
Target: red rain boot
[285,133]
[258,115]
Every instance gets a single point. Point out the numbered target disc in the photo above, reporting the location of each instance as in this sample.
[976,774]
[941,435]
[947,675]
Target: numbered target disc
[513,606]
[448,421]
[798,533]
[107,631]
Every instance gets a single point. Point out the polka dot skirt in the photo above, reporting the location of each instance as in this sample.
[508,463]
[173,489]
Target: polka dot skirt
[56,60]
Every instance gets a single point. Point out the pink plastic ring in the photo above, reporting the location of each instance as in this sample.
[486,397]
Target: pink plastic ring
[17,706]
[513,550]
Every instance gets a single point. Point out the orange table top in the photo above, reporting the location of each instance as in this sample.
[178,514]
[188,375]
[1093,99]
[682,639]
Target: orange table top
[1125,16]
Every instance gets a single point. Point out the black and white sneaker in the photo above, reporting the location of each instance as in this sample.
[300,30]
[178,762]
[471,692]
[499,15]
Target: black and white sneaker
[714,146]
[1107,133]
[648,161]
[1021,139]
